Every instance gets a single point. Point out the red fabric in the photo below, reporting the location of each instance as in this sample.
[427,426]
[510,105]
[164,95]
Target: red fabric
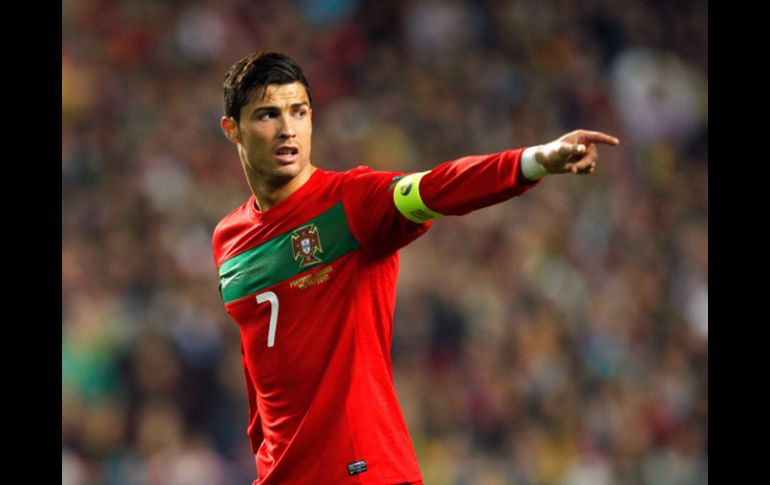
[470,183]
[322,397]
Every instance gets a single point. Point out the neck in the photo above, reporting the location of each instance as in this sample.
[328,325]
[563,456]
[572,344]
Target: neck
[269,193]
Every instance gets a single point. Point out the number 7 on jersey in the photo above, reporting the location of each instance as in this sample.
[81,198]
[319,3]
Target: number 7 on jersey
[272,298]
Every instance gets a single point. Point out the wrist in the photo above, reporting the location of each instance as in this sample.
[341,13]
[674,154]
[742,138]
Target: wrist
[529,165]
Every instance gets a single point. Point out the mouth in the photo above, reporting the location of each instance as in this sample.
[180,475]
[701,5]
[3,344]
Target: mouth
[287,154]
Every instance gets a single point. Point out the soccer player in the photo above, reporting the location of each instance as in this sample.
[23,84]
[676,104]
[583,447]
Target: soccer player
[308,267]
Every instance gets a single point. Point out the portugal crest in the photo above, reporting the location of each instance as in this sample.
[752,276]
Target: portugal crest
[305,244]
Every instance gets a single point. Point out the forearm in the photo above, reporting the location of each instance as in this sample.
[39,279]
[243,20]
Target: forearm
[464,185]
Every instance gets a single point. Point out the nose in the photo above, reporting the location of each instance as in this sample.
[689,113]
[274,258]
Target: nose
[287,128]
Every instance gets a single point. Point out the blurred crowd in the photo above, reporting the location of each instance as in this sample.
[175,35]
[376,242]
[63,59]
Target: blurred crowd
[557,338]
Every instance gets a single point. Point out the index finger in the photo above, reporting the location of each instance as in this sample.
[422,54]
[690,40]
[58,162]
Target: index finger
[597,137]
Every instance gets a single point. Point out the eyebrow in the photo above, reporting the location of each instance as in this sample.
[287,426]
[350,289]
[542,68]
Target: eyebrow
[276,108]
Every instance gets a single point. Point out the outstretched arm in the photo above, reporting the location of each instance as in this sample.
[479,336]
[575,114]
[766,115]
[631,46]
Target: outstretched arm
[469,183]
[383,207]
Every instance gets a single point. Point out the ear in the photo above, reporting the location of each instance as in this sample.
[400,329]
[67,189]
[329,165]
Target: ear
[230,127]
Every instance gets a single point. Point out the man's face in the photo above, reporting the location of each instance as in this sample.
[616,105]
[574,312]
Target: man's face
[274,133]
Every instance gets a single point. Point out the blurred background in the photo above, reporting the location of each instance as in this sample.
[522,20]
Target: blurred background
[558,338]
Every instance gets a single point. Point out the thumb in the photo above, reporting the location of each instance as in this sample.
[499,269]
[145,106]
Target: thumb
[571,149]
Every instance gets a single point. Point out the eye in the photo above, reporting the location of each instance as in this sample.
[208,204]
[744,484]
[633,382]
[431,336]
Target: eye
[266,114]
[300,113]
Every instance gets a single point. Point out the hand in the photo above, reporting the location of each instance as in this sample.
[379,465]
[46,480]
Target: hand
[574,152]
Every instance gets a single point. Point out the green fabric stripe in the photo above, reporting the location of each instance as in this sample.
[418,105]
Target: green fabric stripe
[273,261]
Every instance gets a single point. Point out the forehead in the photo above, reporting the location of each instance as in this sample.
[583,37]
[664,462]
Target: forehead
[279,94]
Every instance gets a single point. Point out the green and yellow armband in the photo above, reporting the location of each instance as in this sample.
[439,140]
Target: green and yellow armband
[406,196]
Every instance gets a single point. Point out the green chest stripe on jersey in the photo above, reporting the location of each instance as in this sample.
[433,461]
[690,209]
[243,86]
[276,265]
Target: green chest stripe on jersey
[279,259]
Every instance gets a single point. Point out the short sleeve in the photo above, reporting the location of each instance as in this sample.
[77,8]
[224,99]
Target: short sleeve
[372,214]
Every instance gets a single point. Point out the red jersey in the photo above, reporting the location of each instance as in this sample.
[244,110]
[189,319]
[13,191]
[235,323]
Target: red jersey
[311,284]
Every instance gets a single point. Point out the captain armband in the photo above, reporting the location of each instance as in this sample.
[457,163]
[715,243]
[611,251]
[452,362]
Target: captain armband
[406,196]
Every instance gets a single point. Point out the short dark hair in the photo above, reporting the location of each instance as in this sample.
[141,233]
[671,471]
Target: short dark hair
[255,72]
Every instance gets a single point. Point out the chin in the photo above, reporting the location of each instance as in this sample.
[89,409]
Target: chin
[290,171]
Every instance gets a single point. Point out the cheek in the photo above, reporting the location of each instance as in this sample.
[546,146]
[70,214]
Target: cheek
[258,139]
[309,140]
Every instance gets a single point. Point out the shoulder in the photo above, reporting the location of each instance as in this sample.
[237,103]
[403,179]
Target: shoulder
[346,181]
[359,170]
[237,214]
[229,226]
[365,178]
[345,175]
